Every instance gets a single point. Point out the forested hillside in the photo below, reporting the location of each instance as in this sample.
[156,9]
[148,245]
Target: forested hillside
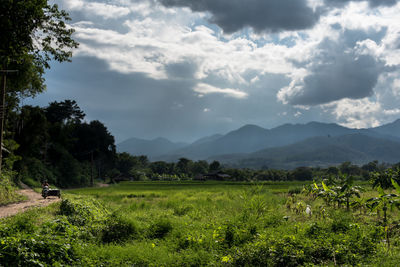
[284,147]
[321,151]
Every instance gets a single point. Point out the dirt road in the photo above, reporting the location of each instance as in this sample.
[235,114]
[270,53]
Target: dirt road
[34,200]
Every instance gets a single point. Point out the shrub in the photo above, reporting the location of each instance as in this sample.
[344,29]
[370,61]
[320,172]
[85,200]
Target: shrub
[82,212]
[160,228]
[34,250]
[313,245]
[8,192]
[180,211]
[118,228]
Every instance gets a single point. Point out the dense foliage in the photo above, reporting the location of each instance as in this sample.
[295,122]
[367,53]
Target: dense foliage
[58,146]
[204,223]
[33,32]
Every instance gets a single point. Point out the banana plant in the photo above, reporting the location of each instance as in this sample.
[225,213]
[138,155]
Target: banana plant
[383,201]
[310,190]
[326,193]
[358,204]
[347,190]
[384,179]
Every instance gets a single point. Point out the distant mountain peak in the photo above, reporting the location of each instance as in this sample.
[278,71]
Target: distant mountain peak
[250,127]
[328,143]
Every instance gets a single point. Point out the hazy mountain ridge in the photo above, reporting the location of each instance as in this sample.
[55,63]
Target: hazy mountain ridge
[314,143]
[319,151]
[390,129]
[151,148]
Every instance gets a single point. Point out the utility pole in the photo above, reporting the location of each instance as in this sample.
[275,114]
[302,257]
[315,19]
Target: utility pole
[3,110]
[91,169]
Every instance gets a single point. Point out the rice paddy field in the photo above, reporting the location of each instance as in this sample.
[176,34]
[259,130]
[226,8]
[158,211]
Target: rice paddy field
[204,224]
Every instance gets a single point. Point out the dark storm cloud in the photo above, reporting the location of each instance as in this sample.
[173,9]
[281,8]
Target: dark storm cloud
[261,15]
[338,71]
[347,77]
[372,3]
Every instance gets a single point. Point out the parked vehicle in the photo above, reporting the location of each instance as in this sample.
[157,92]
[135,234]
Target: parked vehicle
[46,191]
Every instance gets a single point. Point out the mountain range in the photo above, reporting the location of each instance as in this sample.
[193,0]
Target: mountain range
[286,146]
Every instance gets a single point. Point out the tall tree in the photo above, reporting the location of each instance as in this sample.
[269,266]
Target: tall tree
[64,112]
[33,33]
[183,166]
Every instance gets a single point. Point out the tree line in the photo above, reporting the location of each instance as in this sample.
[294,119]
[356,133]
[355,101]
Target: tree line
[56,143]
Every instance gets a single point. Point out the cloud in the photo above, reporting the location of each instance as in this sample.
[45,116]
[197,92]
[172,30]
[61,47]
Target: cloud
[351,37]
[161,47]
[183,69]
[204,89]
[361,113]
[162,70]
[261,15]
[103,10]
[372,3]
[342,68]
[134,105]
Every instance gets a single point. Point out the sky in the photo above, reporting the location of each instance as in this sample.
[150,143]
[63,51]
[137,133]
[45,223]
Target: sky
[185,69]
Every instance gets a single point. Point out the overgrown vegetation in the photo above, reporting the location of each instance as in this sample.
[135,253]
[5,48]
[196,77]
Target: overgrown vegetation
[8,192]
[8,189]
[206,223]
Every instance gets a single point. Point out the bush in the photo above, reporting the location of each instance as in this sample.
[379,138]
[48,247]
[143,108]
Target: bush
[8,192]
[182,210]
[315,244]
[160,228]
[118,228]
[82,212]
[34,250]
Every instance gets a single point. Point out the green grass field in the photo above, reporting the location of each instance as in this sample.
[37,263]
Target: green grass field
[198,224]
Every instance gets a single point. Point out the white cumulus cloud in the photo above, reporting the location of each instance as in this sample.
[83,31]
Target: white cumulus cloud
[205,89]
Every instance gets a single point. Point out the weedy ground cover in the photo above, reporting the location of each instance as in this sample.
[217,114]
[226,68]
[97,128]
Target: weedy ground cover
[8,192]
[199,223]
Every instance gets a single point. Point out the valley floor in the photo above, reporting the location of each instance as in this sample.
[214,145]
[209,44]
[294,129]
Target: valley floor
[199,224]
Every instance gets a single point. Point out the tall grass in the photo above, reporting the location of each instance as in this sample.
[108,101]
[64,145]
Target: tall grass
[194,224]
[8,191]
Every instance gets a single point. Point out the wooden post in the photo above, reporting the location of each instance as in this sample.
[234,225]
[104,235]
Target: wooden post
[91,169]
[2,111]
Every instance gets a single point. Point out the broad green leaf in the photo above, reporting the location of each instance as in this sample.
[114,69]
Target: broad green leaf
[381,191]
[326,188]
[396,185]
[316,186]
